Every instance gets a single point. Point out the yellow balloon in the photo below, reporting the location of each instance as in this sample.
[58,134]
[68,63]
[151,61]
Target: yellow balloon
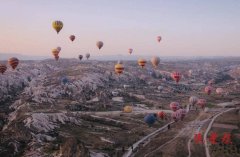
[128,109]
[57,25]
[119,69]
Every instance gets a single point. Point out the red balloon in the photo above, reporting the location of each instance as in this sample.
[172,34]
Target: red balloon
[176,76]
[208,90]
[174,106]
[161,114]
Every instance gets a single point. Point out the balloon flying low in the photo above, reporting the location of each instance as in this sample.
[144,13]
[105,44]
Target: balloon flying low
[13,62]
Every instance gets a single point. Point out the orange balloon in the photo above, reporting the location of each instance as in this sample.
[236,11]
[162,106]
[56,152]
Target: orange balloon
[142,62]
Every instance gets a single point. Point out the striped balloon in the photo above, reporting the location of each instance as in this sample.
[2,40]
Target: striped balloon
[176,76]
[3,68]
[57,25]
[13,62]
[193,100]
[174,106]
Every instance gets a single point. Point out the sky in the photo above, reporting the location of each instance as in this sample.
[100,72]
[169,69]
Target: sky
[187,27]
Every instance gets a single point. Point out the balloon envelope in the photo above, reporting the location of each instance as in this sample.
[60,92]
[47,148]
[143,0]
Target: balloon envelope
[155,61]
[72,37]
[57,25]
[99,44]
[150,119]
[3,68]
[13,62]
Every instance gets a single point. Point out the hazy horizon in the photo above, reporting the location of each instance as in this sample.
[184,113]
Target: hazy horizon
[188,28]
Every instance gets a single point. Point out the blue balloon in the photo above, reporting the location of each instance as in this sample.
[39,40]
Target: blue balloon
[64,80]
[150,118]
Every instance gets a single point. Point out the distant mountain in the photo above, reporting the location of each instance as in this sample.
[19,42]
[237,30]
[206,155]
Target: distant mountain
[5,56]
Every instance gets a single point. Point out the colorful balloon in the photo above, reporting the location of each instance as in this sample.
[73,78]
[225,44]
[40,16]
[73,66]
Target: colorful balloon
[99,44]
[155,61]
[142,62]
[13,62]
[182,113]
[55,53]
[3,68]
[176,76]
[174,106]
[57,25]
[119,69]
[176,116]
[130,50]
[72,37]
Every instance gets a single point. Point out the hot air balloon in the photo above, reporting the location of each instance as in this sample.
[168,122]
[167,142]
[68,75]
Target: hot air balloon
[150,119]
[176,76]
[176,116]
[119,68]
[130,51]
[13,62]
[190,73]
[72,37]
[59,48]
[127,109]
[161,114]
[159,38]
[208,90]
[155,61]
[57,25]
[142,62]
[3,68]
[119,62]
[174,106]
[99,44]
[219,91]
[201,103]
[182,113]
[64,80]
[80,57]
[87,55]
[193,100]
[55,53]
